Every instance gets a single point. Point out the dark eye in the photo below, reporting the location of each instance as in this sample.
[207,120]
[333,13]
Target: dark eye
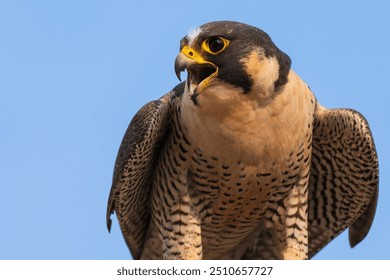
[216,44]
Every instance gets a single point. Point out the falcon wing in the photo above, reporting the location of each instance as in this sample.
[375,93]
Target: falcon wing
[343,188]
[134,169]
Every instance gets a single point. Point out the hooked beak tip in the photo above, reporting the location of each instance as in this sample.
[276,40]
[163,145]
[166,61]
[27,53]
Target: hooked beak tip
[178,75]
[180,66]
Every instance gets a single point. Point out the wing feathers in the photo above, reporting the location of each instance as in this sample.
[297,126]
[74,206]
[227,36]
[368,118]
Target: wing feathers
[130,191]
[343,186]
[359,230]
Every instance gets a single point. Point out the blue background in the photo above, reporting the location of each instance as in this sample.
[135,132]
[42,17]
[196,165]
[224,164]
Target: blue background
[74,73]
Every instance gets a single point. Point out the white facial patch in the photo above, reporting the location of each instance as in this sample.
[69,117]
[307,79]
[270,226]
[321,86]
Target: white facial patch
[264,71]
[192,34]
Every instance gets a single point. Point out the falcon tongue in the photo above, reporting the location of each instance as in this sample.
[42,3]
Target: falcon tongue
[199,76]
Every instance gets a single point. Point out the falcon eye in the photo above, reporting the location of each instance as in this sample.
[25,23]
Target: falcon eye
[215,45]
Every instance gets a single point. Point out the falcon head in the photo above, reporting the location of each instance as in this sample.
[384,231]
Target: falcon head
[233,55]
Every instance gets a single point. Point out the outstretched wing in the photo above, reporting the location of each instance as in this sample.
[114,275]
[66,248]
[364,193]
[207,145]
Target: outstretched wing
[343,188]
[133,172]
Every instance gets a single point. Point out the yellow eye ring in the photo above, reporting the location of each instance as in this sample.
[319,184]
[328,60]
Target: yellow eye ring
[215,45]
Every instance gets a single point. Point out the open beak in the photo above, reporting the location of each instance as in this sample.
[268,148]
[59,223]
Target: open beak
[200,71]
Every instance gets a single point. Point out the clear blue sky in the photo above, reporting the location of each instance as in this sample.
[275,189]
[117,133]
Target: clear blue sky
[73,74]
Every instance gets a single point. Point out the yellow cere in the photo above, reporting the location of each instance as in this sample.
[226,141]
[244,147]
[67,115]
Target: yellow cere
[193,54]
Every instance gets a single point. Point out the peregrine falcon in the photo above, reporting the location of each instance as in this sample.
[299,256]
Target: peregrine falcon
[241,161]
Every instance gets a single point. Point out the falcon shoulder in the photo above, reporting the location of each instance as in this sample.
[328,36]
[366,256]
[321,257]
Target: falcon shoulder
[343,188]
[133,172]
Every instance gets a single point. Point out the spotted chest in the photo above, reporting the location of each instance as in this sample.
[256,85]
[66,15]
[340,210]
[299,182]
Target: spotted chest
[232,198]
[228,197]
